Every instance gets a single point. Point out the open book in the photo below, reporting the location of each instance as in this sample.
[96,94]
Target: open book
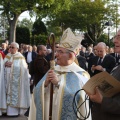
[106,83]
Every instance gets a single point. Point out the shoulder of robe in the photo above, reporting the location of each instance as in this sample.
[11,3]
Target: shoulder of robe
[19,58]
[86,74]
[7,56]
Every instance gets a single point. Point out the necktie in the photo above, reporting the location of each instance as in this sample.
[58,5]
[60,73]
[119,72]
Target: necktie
[100,61]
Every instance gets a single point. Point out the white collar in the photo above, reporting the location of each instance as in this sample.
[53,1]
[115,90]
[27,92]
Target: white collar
[14,54]
[69,68]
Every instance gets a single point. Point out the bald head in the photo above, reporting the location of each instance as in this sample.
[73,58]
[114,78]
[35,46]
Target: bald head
[42,50]
[101,49]
[101,44]
[116,42]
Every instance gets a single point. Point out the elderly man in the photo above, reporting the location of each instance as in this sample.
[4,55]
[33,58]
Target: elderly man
[108,108]
[102,62]
[17,82]
[67,78]
[2,88]
[4,48]
[30,55]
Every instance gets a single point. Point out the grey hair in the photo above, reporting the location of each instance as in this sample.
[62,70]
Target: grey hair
[101,44]
[16,44]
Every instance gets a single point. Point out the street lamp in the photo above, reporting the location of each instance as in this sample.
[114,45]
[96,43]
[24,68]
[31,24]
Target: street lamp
[62,26]
[108,24]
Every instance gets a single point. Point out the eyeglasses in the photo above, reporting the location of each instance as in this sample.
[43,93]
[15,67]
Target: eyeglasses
[12,47]
[61,52]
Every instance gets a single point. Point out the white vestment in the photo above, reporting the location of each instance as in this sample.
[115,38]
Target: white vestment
[58,112]
[17,84]
[2,88]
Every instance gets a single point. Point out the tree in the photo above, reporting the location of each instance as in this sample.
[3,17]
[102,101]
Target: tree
[25,23]
[22,35]
[13,8]
[3,27]
[39,27]
[39,32]
[84,15]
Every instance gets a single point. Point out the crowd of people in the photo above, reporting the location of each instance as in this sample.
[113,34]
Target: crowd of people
[25,70]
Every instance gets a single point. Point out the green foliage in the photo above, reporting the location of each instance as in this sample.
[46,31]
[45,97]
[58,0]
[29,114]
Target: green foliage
[39,39]
[25,23]
[22,35]
[103,38]
[83,15]
[13,8]
[18,6]
[39,28]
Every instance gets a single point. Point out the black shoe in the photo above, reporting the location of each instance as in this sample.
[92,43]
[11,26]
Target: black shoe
[27,112]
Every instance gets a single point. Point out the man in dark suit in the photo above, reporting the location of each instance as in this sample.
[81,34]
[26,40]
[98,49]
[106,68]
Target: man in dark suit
[104,62]
[92,60]
[117,57]
[4,48]
[82,62]
[107,108]
[30,55]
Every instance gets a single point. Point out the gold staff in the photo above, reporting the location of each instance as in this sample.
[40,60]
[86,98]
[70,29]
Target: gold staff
[52,64]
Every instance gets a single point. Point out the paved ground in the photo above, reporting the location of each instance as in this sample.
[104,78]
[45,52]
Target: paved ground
[13,118]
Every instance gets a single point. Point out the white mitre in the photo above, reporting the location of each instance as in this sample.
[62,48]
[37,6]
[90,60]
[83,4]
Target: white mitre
[70,41]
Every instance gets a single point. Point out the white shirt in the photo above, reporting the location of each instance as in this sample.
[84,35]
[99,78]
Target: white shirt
[29,57]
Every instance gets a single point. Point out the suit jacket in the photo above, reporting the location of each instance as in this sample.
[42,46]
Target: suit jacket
[108,63]
[5,51]
[91,62]
[116,58]
[109,109]
[34,54]
[89,56]
[82,62]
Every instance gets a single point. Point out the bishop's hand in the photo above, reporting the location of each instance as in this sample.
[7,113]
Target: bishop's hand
[51,78]
[8,64]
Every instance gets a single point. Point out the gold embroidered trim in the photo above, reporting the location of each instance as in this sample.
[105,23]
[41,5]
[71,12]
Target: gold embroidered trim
[41,95]
[8,57]
[17,106]
[19,58]
[61,101]
[86,74]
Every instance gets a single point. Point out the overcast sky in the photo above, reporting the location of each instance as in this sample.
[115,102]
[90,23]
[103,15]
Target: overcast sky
[26,15]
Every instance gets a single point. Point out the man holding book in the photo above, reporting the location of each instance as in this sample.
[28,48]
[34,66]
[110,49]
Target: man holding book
[107,108]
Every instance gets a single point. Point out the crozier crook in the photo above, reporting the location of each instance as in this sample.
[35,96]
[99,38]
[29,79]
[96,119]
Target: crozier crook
[52,64]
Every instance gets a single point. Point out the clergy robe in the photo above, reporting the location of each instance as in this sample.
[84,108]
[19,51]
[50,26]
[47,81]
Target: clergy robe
[71,79]
[2,88]
[17,84]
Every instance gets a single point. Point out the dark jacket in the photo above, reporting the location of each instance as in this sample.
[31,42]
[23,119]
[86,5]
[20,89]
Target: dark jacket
[108,63]
[109,109]
[117,58]
[34,54]
[82,62]
[41,66]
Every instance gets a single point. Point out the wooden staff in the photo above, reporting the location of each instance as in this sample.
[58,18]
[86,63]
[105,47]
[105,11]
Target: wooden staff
[52,64]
